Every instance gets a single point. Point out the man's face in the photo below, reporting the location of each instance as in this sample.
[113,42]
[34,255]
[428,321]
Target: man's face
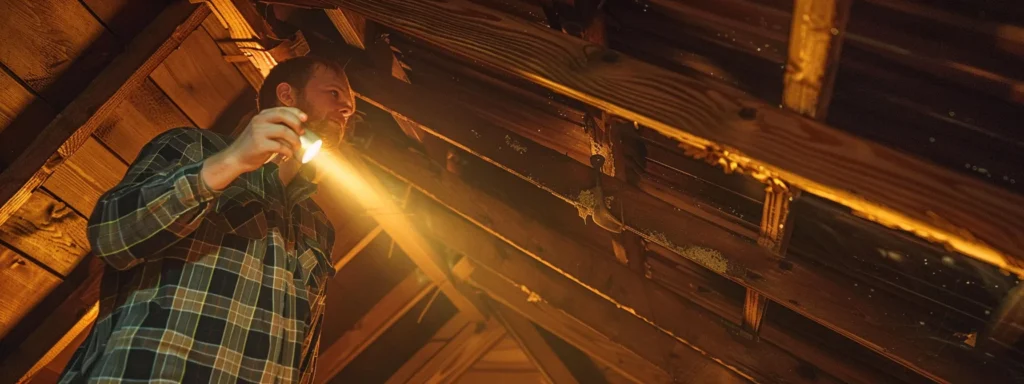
[329,102]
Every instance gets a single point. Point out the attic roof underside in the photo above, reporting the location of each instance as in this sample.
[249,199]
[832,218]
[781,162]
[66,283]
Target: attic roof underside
[829,198]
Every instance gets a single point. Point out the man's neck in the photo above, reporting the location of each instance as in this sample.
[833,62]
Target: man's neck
[287,170]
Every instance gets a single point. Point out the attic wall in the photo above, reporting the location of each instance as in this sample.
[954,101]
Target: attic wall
[52,49]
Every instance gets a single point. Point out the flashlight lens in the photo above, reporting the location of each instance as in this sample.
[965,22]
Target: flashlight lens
[311,144]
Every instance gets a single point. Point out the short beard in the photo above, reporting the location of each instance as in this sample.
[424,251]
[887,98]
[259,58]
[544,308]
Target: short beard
[328,131]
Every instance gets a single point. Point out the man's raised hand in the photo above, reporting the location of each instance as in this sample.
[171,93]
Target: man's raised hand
[273,131]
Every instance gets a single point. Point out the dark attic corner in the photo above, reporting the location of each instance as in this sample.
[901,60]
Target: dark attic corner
[512,191]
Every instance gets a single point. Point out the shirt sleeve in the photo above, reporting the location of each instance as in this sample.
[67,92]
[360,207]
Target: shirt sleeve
[160,200]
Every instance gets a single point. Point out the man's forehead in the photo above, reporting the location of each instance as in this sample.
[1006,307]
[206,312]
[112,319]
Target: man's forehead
[328,76]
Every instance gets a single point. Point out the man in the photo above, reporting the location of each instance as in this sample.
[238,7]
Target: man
[216,255]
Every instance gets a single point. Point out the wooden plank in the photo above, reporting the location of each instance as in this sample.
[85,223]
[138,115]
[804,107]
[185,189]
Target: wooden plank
[460,353]
[146,113]
[879,183]
[25,285]
[540,353]
[64,311]
[350,25]
[601,276]
[506,356]
[57,47]
[826,300]
[243,33]
[229,48]
[385,313]
[815,42]
[444,334]
[65,134]
[48,231]
[126,18]
[198,80]
[354,181]
[85,176]
[14,100]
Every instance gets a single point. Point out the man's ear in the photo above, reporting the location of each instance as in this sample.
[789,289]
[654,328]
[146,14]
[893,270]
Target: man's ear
[286,94]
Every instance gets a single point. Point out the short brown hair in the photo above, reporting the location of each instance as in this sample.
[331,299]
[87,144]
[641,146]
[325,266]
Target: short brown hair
[296,72]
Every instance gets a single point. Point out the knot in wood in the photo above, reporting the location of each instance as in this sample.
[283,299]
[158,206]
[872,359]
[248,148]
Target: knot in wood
[748,113]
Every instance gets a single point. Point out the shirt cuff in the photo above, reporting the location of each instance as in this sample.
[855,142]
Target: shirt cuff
[191,187]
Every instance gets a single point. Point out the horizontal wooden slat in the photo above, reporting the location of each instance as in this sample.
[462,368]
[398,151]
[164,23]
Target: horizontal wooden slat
[879,183]
[825,297]
[146,113]
[49,231]
[83,178]
[578,261]
[59,140]
[24,285]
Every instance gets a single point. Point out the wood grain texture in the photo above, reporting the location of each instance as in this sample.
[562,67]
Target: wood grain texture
[351,26]
[56,46]
[14,99]
[51,320]
[198,80]
[48,231]
[126,18]
[602,277]
[222,36]
[74,125]
[431,348]
[145,114]
[532,343]
[804,287]
[880,183]
[460,353]
[246,35]
[88,174]
[25,285]
[815,43]
[385,313]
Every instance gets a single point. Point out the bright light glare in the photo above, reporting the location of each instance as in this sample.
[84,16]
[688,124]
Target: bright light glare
[311,144]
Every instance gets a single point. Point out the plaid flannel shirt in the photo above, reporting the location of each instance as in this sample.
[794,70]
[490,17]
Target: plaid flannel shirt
[203,285]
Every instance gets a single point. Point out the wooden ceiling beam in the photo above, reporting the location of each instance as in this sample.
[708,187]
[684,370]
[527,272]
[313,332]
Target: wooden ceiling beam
[571,257]
[471,343]
[538,350]
[353,180]
[803,287]
[73,126]
[744,133]
[395,304]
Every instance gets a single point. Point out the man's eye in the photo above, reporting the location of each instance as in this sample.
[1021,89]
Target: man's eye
[335,93]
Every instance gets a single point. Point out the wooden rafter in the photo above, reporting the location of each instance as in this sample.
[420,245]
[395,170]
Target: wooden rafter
[815,42]
[570,257]
[538,350]
[739,132]
[469,344]
[72,127]
[374,323]
[364,187]
[802,287]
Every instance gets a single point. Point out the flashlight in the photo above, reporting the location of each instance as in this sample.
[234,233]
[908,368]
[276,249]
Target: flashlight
[311,144]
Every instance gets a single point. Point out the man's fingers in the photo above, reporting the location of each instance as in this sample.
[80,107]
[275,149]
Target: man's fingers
[292,117]
[280,148]
[282,133]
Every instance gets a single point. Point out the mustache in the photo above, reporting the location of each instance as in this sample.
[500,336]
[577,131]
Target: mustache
[329,131]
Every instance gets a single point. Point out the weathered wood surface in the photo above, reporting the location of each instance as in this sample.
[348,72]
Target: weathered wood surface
[65,311]
[437,341]
[56,47]
[878,182]
[232,53]
[146,113]
[25,285]
[198,80]
[386,312]
[801,286]
[505,363]
[48,231]
[70,129]
[126,18]
[523,332]
[602,276]
[86,175]
[471,342]
[246,35]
